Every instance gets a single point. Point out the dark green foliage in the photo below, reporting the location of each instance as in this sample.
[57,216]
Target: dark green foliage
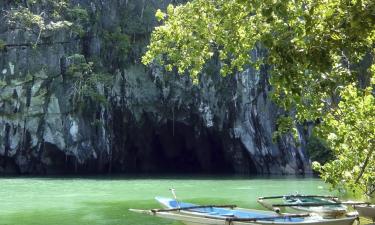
[86,84]
[138,19]
[118,45]
[78,66]
[318,150]
[2,44]
[80,19]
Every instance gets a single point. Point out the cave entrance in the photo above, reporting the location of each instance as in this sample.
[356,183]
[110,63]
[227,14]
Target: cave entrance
[179,148]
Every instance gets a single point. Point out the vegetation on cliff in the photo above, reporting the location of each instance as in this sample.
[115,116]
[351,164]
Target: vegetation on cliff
[45,16]
[314,48]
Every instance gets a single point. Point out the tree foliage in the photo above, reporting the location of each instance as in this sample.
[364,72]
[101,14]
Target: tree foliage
[350,131]
[312,45]
[318,149]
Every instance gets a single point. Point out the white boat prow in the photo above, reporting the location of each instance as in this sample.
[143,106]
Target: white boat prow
[166,202]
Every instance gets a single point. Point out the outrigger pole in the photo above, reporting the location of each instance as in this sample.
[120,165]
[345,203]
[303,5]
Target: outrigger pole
[319,204]
[284,216]
[192,207]
[175,197]
[269,206]
[297,196]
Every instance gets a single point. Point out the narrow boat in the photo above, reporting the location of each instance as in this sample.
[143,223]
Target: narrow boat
[327,206]
[366,210]
[192,214]
[324,205]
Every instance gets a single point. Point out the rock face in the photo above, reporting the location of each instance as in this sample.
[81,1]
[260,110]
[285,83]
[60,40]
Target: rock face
[145,121]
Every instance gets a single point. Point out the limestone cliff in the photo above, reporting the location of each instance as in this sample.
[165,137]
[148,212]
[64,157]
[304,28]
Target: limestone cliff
[135,119]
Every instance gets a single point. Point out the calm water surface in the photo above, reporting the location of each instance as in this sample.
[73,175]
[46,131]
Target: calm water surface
[94,201]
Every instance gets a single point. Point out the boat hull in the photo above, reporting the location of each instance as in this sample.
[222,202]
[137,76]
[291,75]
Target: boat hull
[322,211]
[196,220]
[327,211]
[204,216]
[366,211]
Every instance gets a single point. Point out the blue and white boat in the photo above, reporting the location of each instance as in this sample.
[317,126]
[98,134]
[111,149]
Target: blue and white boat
[192,214]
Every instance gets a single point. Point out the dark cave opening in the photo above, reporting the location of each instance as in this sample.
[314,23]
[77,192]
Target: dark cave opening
[179,148]
[172,148]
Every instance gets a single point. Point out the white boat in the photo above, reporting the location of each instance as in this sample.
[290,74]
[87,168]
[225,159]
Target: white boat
[192,214]
[326,206]
[366,211]
[323,205]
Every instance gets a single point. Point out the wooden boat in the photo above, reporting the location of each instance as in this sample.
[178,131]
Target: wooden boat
[366,210]
[192,214]
[327,206]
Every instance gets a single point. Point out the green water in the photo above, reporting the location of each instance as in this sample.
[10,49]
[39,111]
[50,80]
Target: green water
[94,201]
